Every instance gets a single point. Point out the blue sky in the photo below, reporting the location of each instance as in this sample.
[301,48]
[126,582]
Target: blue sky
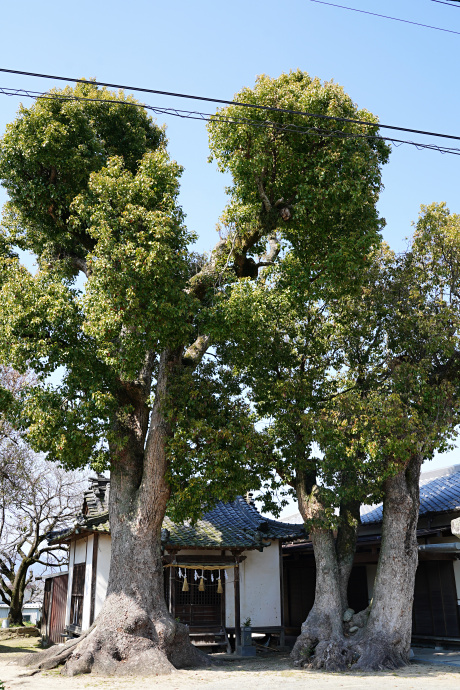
[407,75]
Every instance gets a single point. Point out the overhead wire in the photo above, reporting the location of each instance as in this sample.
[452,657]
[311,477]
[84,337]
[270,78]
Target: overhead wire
[220,101]
[213,117]
[385,16]
[453,3]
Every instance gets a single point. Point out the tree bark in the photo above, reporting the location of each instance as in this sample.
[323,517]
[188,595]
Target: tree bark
[386,642]
[134,632]
[346,545]
[17,596]
[321,642]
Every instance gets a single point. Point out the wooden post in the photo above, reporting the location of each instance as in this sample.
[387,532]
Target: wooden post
[172,591]
[236,584]
[281,567]
[94,578]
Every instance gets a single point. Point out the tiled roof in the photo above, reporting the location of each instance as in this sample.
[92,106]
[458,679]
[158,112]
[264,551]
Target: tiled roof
[235,524]
[229,525]
[96,497]
[439,493]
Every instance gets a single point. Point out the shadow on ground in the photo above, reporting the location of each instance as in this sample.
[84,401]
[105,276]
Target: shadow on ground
[20,646]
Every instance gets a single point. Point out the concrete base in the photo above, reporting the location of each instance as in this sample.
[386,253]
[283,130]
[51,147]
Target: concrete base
[427,655]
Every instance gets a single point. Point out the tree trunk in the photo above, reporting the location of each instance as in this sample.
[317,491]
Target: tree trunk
[346,545]
[17,596]
[321,642]
[386,642]
[134,632]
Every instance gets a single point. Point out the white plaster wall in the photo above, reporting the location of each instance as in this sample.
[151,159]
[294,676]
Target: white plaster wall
[371,572]
[103,567]
[260,598]
[80,550]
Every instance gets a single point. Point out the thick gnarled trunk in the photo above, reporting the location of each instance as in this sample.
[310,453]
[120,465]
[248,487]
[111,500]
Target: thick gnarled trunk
[134,632]
[383,640]
[321,642]
[386,643]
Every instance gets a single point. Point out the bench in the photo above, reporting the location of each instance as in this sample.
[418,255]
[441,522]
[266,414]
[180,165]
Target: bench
[71,631]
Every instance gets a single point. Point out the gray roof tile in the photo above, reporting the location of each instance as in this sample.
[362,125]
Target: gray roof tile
[438,494]
[228,525]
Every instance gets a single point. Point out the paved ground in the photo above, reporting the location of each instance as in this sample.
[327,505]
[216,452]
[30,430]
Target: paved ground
[271,671]
[443,657]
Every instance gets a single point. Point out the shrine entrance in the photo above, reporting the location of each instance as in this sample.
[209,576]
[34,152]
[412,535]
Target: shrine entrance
[199,607]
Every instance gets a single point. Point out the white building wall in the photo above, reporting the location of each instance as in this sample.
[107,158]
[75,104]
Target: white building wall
[260,593]
[103,567]
[80,549]
[260,598]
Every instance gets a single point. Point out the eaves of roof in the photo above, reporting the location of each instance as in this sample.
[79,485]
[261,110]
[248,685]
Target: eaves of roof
[228,525]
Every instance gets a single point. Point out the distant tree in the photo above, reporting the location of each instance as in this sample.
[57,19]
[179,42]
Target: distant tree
[13,452]
[36,497]
[46,499]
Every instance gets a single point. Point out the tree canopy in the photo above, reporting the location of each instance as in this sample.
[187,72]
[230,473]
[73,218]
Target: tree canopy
[93,191]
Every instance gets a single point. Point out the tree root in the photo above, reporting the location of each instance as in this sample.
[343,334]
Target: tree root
[348,653]
[380,654]
[119,652]
[52,657]
[330,655]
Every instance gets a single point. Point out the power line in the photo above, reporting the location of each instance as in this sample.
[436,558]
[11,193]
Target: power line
[451,4]
[385,16]
[237,103]
[219,117]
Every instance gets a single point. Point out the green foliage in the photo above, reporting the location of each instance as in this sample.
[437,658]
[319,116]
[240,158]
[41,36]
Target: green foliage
[135,298]
[353,383]
[318,191]
[49,152]
[91,188]
[215,450]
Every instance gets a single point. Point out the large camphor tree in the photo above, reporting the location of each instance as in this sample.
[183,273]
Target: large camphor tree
[93,193]
[369,377]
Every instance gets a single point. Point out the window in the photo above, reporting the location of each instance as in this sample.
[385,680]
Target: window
[78,589]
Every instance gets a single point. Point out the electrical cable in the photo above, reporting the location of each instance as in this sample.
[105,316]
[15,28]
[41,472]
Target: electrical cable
[451,4]
[385,16]
[236,103]
[210,117]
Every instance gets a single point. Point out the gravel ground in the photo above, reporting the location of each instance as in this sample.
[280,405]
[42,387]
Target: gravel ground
[267,672]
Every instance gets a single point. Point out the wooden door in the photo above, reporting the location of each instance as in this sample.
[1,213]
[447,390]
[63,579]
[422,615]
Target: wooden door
[435,610]
[78,591]
[58,597]
[199,610]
